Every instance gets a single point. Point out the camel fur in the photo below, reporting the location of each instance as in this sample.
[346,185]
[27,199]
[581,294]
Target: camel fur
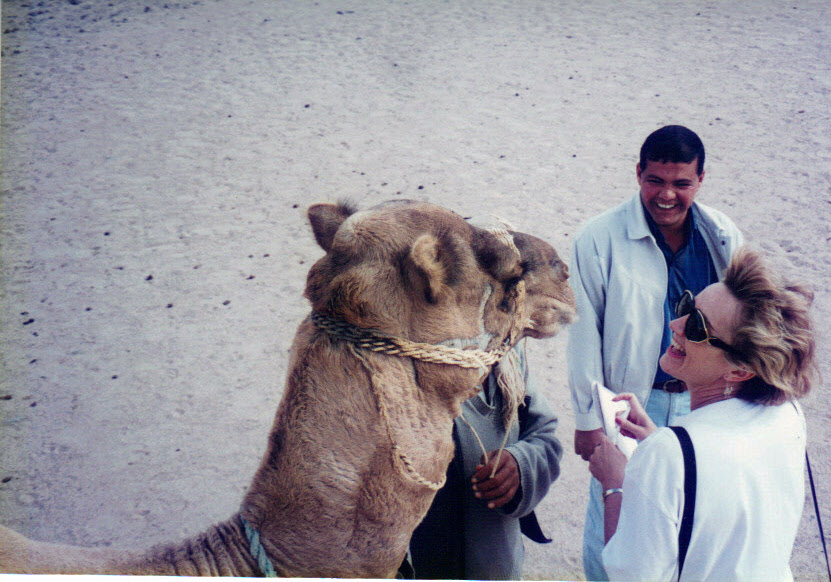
[330,499]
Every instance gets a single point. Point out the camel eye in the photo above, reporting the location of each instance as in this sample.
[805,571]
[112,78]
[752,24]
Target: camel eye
[559,267]
[511,283]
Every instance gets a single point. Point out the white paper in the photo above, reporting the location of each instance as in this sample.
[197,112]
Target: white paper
[608,410]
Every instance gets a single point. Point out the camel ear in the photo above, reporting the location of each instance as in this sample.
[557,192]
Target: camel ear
[426,254]
[326,220]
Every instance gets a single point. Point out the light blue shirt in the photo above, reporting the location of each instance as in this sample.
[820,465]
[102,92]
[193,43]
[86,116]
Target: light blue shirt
[620,279]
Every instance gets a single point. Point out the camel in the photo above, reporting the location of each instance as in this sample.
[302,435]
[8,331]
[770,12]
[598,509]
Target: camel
[411,307]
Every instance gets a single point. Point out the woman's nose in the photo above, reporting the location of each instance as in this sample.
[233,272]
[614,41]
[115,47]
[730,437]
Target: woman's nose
[677,325]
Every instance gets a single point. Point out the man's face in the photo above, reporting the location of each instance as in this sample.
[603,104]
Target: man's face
[668,191]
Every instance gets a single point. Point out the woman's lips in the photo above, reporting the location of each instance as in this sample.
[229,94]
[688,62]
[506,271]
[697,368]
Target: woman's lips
[675,350]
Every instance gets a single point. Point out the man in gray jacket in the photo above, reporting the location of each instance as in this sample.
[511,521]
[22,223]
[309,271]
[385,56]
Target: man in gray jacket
[629,267]
[474,528]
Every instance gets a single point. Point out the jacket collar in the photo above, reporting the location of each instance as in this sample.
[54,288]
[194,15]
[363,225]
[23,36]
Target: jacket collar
[636,225]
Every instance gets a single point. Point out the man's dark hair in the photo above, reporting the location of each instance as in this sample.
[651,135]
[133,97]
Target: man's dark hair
[673,144]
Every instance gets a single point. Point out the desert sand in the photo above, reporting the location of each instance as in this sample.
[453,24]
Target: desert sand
[158,158]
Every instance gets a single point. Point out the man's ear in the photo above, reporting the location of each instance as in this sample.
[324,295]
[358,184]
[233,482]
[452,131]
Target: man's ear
[426,255]
[326,220]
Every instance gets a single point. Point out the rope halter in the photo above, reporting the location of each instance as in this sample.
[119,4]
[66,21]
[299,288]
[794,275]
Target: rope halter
[378,341]
[360,339]
[512,386]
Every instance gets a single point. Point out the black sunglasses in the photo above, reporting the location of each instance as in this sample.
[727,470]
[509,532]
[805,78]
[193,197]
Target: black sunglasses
[695,329]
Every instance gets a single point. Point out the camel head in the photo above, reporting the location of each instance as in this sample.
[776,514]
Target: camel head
[419,271]
[550,298]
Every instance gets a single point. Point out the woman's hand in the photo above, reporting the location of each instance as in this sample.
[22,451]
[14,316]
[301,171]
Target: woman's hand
[638,425]
[607,464]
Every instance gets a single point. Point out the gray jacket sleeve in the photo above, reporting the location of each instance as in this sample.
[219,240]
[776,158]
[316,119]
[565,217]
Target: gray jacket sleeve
[538,451]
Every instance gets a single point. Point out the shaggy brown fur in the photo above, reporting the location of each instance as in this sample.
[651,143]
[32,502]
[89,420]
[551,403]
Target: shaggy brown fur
[328,500]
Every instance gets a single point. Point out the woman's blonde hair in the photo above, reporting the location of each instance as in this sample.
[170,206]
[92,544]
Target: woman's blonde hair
[774,337]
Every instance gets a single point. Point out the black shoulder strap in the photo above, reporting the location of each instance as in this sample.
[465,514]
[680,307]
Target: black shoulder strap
[690,479]
[816,510]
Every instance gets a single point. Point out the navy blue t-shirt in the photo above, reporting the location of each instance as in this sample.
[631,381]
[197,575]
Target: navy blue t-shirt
[690,268]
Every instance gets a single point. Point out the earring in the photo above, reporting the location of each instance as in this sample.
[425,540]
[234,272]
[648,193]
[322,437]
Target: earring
[728,390]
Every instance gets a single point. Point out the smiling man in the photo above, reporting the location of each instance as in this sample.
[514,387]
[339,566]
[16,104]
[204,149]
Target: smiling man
[668,190]
[630,266]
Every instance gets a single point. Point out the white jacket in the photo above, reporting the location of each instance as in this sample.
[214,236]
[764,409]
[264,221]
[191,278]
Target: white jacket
[619,277]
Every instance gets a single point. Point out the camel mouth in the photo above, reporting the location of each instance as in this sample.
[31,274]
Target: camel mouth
[553,326]
[556,313]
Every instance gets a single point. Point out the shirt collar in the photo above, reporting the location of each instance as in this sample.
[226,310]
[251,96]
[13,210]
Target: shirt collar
[689,226]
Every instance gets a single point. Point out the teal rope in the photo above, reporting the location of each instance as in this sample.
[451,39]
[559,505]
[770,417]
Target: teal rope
[258,551]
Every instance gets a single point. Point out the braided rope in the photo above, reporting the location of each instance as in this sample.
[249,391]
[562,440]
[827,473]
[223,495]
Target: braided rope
[505,238]
[258,551]
[398,455]
[377,341]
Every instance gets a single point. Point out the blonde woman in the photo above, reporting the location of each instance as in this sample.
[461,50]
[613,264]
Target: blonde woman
[744,347]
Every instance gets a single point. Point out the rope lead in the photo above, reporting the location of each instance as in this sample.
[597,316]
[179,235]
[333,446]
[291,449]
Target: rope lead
[258,551]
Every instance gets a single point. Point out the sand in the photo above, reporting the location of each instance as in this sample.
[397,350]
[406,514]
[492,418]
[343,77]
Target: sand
[158,158]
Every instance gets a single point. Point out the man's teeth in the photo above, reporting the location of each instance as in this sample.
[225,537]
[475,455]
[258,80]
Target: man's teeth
[678,348]
[665,206]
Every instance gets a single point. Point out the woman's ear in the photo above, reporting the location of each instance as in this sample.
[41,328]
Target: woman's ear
[739,374]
